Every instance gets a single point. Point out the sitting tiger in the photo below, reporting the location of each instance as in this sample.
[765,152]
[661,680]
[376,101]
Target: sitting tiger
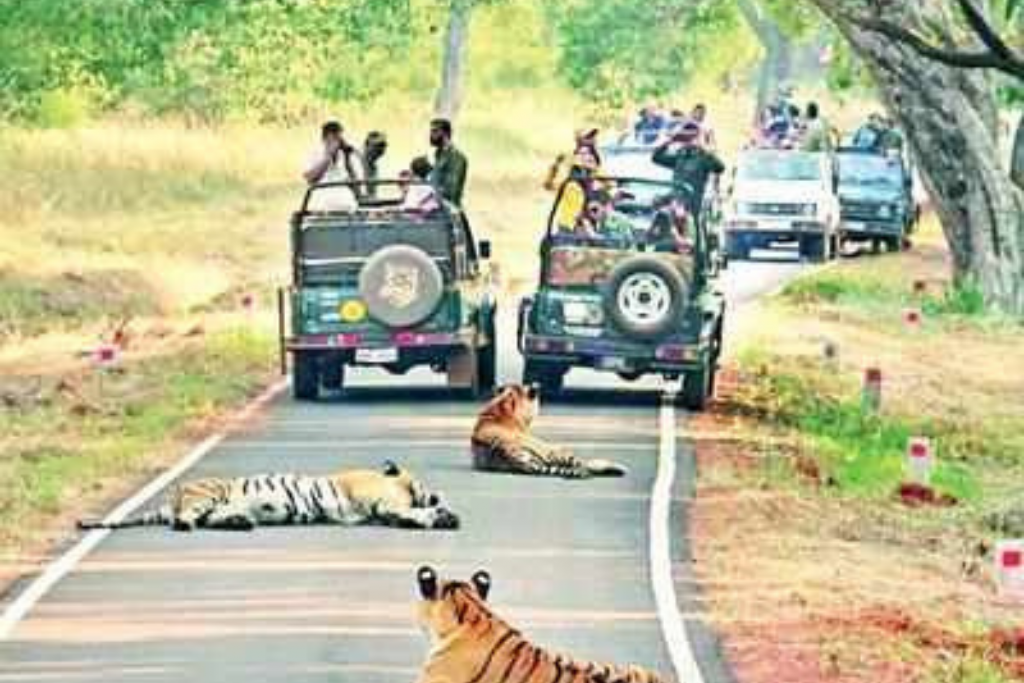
[470,642]
[389,497]
[502,441]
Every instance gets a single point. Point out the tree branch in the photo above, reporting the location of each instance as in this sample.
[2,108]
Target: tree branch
[1010,64]
[979,23]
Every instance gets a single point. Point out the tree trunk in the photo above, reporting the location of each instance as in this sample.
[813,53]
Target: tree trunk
[949,116]
[776,65]
[449,95]
[1017,158]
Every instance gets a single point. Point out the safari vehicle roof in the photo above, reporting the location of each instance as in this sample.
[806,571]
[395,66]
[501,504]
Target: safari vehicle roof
[375,210]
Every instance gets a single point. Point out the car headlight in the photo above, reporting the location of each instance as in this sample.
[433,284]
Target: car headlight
[809,209]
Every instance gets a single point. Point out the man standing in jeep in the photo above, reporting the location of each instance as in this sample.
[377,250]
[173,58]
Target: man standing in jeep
[691,165]
[335,160]
[450,165]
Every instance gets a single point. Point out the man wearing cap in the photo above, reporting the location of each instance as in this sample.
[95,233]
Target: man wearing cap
[450,165]
[334,161]
[691,165]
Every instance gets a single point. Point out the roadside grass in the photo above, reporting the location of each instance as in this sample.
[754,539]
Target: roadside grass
[65,438]
[803,477]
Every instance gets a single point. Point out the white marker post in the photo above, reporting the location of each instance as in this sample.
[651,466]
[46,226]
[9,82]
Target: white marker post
[871,398]
[1009,570]
[920,460]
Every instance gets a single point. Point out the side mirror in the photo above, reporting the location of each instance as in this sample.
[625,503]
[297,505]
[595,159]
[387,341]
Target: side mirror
[485,249]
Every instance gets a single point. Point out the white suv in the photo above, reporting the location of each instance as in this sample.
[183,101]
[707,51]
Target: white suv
[783,196]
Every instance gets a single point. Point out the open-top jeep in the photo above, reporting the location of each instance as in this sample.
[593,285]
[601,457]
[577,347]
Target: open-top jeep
[376,284]
[636,294]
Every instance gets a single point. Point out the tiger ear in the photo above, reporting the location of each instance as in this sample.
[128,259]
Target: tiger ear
[427,579]
[482,583]
[391,469]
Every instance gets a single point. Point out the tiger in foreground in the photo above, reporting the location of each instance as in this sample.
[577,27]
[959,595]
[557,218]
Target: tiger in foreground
[471,643]
[502,441]
[391,496]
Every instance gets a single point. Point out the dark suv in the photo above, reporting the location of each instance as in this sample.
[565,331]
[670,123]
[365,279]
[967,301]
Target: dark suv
[375,284]
[876,199]
[633,296]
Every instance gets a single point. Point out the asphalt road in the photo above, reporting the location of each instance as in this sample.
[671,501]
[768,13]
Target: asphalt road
[569,560]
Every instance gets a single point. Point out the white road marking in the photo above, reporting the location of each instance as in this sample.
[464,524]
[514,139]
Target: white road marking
[680,650]
[63,565]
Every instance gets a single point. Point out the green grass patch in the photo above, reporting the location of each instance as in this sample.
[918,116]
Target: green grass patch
[966,669]
[861,451]
[56,448]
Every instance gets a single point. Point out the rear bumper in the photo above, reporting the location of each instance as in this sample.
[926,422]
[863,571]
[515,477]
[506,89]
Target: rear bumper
[621,357]
[400,340]
[858,229]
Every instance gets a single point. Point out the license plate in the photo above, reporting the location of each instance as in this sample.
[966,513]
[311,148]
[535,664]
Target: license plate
[376,356]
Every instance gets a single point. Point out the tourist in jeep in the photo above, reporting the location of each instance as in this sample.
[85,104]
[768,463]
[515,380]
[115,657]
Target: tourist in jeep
[418,195]
[450,164]
[334,160]
[692,166]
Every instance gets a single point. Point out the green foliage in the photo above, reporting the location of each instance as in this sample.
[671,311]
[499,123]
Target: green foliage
[618,51]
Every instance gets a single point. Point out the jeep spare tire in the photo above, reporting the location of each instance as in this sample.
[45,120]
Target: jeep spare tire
[645,297]
[401,285]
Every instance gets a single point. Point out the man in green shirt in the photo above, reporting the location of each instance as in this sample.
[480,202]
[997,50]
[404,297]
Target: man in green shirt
[692,166]
[450,165]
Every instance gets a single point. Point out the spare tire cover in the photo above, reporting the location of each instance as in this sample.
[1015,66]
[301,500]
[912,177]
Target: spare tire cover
[645,297]
[401,285]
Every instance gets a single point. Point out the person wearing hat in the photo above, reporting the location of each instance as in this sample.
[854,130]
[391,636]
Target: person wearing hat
[334,160]
[692,166]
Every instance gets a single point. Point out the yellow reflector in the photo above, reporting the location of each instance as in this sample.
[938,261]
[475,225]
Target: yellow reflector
[353,311]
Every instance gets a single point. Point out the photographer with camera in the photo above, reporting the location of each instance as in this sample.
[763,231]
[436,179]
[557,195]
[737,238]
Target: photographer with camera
[692,165]
[334,160]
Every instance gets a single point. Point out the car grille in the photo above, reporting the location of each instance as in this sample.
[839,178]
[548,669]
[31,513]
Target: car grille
[861,210]
[771,209]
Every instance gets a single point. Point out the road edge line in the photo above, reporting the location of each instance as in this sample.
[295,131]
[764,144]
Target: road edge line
[672,627]
[58,568]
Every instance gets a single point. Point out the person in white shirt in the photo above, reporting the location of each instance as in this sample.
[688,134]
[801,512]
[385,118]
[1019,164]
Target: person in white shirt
[707,132]
[420,195]
[333,161]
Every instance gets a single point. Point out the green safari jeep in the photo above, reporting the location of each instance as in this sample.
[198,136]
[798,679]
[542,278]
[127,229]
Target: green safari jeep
[634,292]
[376,284]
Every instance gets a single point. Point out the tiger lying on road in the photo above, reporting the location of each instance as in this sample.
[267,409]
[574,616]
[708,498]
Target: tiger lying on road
[502,441]
[391,497]
[471,643]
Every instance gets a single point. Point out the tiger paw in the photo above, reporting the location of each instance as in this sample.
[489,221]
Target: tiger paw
[445,519]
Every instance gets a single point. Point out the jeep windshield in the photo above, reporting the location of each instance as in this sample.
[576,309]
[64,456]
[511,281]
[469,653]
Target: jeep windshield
[870,170]
[779,166]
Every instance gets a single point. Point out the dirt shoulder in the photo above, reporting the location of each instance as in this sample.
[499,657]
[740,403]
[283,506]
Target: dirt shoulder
[815,567]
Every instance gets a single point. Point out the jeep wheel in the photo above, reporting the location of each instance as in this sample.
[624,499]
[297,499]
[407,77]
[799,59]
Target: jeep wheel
[548,376]
[486,369]
[332,373]
[645,297]
[698,388]
[814,248]
[737,247]
[463,371]
[305,376]
[401,285]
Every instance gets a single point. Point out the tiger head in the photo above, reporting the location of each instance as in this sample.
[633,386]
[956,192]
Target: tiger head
[422,497]
[445,605]
[514,404]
